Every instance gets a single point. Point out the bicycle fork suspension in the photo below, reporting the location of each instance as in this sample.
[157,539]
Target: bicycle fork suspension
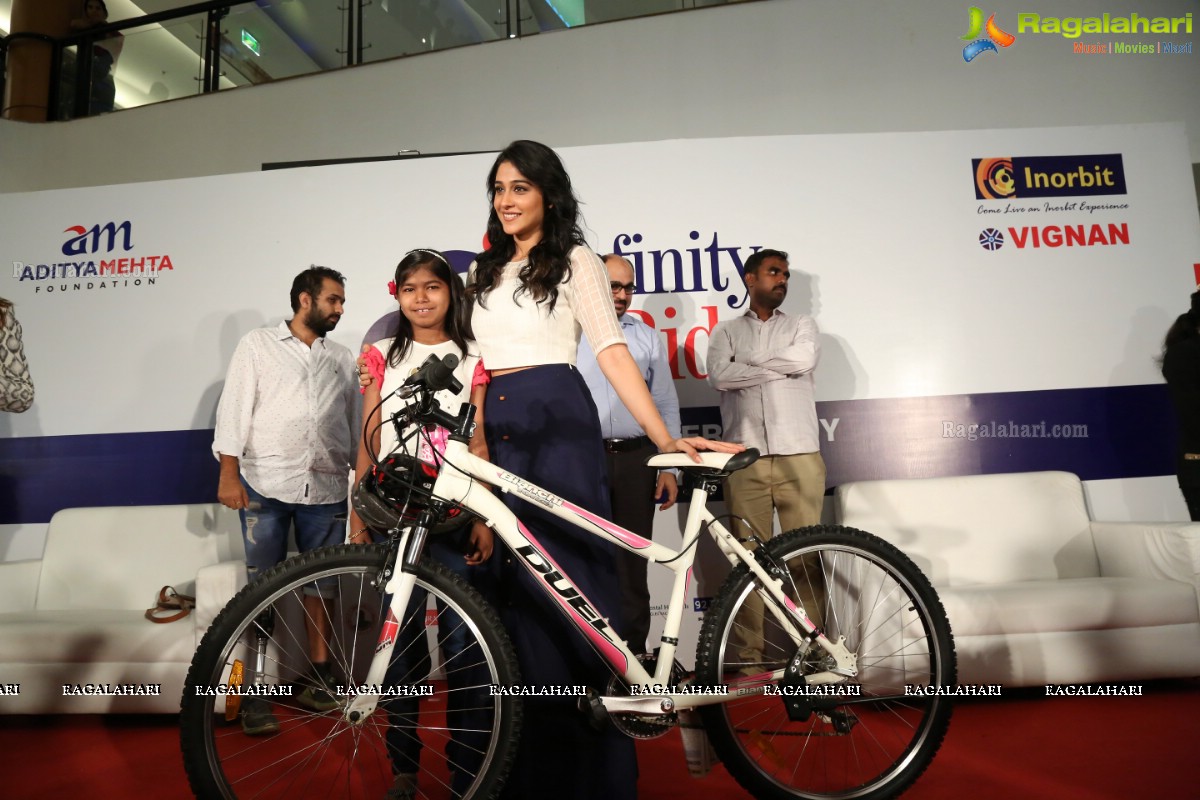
[400,589]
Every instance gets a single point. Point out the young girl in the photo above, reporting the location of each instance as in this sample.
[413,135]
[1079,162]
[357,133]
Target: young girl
[534,291]
[432,321]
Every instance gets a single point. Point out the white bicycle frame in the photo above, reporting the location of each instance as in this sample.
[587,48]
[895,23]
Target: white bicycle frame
[460,480]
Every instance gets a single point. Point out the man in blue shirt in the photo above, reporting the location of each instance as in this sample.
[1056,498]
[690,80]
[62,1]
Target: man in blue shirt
[633,486]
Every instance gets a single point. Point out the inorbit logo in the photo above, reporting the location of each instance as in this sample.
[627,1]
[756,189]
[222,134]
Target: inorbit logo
[995,36]
[1010,177]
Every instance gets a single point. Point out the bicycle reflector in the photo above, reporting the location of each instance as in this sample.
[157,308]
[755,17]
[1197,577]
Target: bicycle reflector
[394,493]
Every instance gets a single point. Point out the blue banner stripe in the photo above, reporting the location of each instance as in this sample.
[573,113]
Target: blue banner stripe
[40,475]
[1097,433]
[1109,432]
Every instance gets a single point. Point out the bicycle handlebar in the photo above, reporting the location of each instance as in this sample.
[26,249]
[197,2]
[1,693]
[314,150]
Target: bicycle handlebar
[434,375]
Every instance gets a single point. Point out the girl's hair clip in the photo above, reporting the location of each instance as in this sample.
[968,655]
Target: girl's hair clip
[392,288]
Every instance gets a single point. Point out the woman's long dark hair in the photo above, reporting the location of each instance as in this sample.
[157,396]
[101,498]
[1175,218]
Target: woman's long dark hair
[548,265]
[1185,327]
[458,323]
[1182,329]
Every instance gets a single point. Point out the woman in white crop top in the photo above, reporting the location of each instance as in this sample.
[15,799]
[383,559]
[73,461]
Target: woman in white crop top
[538,286]
[535,290]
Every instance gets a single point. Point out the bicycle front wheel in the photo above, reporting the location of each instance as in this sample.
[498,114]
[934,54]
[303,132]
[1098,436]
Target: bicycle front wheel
[438,729]
[882,729]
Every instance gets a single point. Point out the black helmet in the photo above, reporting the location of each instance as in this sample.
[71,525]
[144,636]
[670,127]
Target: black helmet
[394,493]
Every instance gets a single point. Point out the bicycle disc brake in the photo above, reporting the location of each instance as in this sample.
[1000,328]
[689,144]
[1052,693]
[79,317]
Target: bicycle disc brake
[800,700]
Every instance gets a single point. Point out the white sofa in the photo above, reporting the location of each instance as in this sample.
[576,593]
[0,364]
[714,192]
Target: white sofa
[75,617]
[1036,591]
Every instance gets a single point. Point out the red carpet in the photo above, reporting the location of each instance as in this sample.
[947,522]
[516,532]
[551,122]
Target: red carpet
[1023,746]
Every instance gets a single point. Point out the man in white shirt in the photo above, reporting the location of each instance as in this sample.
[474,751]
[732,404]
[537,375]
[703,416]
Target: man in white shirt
[286,428]
[633,487]
[762,364]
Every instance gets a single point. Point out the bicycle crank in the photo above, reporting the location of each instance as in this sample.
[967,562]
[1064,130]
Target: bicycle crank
[644,726]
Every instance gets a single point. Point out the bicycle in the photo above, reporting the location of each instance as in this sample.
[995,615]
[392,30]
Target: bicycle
[847,706]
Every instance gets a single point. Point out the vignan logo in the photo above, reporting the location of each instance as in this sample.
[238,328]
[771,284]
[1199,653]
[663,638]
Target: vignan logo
[995,36]
[1007,178]
[1037,236]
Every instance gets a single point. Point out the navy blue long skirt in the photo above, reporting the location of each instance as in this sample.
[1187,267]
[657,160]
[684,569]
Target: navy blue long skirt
[542,425]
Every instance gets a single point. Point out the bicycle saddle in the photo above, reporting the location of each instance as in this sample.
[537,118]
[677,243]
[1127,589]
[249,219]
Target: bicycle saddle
[709,462]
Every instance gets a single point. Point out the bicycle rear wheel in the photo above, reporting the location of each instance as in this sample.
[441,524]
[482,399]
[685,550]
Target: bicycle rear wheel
[871,742]
[456,739]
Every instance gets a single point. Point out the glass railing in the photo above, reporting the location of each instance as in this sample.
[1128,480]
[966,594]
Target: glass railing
[178,50]
[155,62]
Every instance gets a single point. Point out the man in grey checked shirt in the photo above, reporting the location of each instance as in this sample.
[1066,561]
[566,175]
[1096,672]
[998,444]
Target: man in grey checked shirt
[762,364]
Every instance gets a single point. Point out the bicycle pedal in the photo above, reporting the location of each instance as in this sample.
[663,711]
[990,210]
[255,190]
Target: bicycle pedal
[594,711]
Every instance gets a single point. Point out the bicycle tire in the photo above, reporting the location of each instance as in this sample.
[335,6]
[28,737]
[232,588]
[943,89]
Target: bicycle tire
[872,746]
[322,754]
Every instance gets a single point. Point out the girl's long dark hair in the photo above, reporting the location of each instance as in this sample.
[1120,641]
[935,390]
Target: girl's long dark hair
[457,325]
[548,265]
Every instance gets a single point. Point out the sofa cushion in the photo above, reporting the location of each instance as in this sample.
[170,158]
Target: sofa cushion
[120,557]
[979,529]
[1068,605]
[78,637]
[1095,656]
[18,585]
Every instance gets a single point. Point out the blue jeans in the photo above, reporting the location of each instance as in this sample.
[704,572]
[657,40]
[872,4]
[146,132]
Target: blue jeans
[265,529]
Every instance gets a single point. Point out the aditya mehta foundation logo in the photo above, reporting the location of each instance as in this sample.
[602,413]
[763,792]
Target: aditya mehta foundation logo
[983,37]
[100,256]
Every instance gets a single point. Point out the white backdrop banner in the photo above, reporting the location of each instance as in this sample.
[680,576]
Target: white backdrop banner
[988,300]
